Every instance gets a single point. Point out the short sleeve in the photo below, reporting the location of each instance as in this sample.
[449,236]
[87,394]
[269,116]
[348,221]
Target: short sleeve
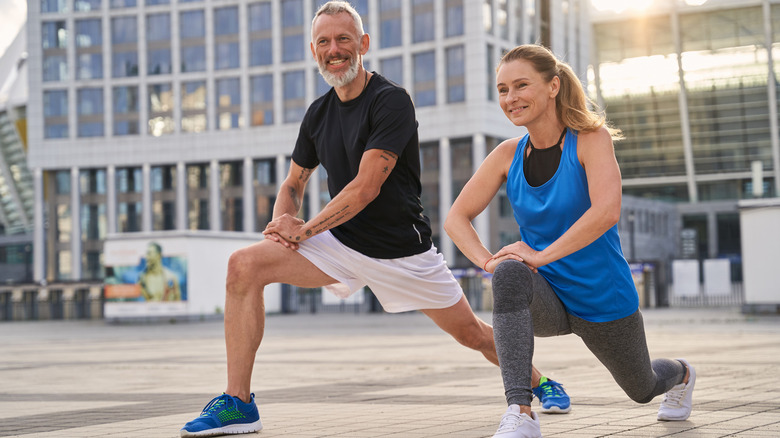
[304,154]
[393,122]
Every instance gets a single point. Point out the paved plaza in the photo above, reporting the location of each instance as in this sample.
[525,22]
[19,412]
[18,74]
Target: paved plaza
[370,375]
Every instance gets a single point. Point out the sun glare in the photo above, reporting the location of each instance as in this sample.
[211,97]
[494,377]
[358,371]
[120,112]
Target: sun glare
[621,5]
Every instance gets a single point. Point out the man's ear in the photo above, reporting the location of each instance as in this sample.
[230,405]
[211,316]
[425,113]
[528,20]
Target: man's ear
[365,41]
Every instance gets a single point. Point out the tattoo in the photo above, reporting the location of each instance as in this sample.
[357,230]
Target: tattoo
[386,155]
[294,197]
[297,238]
[308,233]
[305,174]
[385,170]
[332,220]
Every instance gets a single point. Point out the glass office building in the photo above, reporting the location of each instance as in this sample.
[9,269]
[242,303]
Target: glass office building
[693,85]
[154,115]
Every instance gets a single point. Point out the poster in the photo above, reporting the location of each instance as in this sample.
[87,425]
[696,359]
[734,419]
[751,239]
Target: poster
[155,276]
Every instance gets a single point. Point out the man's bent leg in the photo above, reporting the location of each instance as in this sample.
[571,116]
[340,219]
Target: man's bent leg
[461,322]
[250,269]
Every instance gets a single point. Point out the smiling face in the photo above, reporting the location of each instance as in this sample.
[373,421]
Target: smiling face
[337,46]
[523,93]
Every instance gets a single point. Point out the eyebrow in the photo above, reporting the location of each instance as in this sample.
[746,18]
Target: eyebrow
[513,82]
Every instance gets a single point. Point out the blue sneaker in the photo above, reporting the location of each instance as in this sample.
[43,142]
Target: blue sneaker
[553,398]
[225,415]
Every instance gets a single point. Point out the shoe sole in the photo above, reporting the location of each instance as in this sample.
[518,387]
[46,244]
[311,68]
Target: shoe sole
[233,429]
[556,410]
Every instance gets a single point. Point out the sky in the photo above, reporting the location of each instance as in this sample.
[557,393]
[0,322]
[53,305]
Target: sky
[13,14]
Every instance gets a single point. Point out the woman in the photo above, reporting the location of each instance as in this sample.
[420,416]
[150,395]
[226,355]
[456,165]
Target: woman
[568,273]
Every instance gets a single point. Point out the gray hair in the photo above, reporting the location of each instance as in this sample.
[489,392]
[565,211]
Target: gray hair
[337,7]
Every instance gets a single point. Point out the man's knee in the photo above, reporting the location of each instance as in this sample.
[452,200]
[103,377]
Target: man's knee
[241,271]
[511,287]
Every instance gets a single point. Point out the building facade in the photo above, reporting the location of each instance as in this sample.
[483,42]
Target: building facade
[693,85]
[16,186]
[149,115]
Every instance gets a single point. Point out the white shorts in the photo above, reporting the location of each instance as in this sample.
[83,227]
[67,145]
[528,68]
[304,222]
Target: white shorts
[421,281]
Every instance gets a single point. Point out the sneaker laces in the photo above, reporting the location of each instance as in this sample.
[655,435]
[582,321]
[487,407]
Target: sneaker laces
[217,404]
[552,388]
[509,422]
[674,396]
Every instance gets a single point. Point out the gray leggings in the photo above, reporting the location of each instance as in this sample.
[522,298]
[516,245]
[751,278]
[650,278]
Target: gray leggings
[524,305]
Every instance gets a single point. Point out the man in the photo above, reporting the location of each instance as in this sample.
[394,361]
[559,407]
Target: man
[372,232]
[157,282]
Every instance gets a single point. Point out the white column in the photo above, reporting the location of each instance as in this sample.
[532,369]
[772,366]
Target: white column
[249,196]
[146,198]
[75,231]
[111,196]
[39,250]
[690,171]
[215,216]
[181,196]
[446,247]
[281,170]
[772,95]
[481,222]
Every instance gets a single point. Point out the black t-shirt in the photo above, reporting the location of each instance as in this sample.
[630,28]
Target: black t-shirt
[335,134]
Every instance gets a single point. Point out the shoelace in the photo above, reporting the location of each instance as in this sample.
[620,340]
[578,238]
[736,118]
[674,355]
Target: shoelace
[552,389]
[674,396]
[510,421]
[217,404]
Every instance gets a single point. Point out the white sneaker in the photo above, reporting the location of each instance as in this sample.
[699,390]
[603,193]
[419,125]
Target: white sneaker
[517,425]
[678,401]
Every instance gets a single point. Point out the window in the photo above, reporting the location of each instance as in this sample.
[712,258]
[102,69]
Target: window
[231,196]
[392,68]
[226,38]
[54,6]
[229,104]
[293,41]
[158,44]
[126,121]
[55,114]
[453,18]
[423,21]
[193,106]
[198,196]
[129,185]
[456,81]
[264,181]
[90,112]
[118,4]
[260,25]
[193,44]
[262,89]
[54,40]
[89,55]
[160,109]
[294,96]
[425,79]
[389,23]
[163,179]
[124,38]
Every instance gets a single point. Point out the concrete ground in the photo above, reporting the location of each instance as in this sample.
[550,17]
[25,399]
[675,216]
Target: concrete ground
[370,375]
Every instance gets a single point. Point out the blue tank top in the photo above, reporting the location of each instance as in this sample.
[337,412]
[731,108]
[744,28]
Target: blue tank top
[594,283]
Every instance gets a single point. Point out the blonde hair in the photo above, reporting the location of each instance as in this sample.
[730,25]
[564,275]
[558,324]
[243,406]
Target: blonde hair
[572,105]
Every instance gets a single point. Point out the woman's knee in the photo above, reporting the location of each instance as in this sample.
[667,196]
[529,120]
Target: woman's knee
[512,287]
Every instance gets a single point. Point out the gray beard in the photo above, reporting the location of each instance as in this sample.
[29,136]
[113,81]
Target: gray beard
[335,81]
